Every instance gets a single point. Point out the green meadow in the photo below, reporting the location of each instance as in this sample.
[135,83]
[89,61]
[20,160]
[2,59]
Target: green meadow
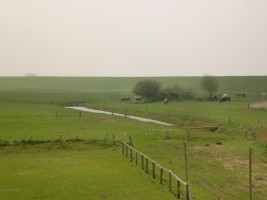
[50,152]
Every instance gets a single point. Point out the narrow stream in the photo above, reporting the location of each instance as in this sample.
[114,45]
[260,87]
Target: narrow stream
[118,114]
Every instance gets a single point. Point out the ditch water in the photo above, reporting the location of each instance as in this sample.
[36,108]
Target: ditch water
[80,108]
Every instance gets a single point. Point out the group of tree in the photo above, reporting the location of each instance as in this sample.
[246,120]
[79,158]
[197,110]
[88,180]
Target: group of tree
[151,90]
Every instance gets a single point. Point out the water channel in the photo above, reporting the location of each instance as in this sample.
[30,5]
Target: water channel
[80,108]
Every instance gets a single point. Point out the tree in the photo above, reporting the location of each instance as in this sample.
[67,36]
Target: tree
[175,92]
[209,84]
[147,88]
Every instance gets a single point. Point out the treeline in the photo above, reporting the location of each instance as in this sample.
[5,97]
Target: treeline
[152,91]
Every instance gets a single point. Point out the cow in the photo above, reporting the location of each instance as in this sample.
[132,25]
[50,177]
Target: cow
[125,99]
[138,99]
[239,94]
[166,101]
[263,95]
[224,98]
[200,99]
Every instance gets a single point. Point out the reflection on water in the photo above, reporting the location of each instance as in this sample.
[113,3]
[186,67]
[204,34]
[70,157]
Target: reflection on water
[117,114]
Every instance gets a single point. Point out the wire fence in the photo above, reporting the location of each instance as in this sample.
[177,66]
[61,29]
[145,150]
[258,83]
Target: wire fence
[157,171]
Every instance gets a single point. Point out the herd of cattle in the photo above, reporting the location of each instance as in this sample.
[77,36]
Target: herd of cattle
[138,99]
[219,98]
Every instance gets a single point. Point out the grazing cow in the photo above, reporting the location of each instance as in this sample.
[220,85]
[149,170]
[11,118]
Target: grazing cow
[263,95]
[200,99]
[166,101]
[138,99]
[125,99]
[239,94]
[224,98]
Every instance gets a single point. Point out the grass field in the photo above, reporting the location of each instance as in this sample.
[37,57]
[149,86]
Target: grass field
[71,171]
[249,84]
[32,109]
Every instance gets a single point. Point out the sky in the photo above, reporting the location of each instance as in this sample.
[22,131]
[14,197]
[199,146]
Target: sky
[133,37]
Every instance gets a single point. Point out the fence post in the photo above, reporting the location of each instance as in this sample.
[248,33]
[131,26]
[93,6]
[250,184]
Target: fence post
[131,154]
[178,189]
[185,158]
[127,151]
[170,181]
[130,141]
[161,175]
[187,191]
[146,165]
[113,138]
[250,174]
[153,169]
[122,148]
[136,158]
[142,161]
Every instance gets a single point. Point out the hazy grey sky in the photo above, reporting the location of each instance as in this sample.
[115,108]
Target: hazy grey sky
[133,37]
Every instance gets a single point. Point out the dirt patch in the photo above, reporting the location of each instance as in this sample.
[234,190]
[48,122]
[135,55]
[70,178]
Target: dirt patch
[258,105]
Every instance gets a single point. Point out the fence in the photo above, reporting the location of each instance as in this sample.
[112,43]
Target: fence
[139,157]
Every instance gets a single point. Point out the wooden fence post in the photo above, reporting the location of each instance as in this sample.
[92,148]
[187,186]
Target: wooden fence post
[136,158]
[142,160]
[250,174]
[187,134]
[113,138]
[185,157]
[131,154]
[122,148]
[187,191]
[153,170]
[126,151]
[130,141]
[161,175]
[170,181]
[178,189]
[146,165]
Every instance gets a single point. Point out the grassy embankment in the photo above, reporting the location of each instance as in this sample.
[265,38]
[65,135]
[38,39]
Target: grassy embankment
[218,161]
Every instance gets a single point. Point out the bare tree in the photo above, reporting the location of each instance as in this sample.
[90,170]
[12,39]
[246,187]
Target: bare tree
[209,84]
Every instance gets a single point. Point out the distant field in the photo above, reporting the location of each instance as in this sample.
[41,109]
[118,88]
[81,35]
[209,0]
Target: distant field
[32,108]
[249,84]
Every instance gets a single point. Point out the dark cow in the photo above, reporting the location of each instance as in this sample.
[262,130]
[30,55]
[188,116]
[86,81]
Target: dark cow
[226,98]
[138,99]
[125,99]
[200,99]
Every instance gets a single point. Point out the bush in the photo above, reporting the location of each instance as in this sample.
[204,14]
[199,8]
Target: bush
[177,93]
[147,88]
